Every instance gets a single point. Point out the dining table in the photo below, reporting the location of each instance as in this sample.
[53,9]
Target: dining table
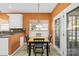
[46,42]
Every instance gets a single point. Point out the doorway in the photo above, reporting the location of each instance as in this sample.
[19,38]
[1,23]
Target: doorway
[73,33]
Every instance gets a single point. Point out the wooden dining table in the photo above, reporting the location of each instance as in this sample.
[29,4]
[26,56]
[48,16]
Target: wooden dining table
[46,41]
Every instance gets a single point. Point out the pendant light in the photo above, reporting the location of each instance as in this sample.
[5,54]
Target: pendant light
[38,16]
[38,13]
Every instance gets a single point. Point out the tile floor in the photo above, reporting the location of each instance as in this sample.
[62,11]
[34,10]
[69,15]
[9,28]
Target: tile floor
[23,52]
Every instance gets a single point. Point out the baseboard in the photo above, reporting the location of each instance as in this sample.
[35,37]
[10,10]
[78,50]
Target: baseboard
[16,50]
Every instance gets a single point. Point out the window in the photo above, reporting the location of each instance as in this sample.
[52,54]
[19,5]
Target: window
[57,32]
[41,25]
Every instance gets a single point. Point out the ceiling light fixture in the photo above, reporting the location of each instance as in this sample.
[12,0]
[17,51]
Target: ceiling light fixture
[38,16]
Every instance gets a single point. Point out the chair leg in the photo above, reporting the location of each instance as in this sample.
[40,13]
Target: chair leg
[49,48]
[27,49]
[34,51]
[42,54]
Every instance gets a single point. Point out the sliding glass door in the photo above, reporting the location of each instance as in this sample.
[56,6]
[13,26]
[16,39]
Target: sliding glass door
[73,35]
[77,35]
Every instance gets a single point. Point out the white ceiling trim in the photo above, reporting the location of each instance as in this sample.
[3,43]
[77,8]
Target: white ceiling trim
[27,7]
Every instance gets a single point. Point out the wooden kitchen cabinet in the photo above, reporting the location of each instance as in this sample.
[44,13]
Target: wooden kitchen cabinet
[15,20]
[11,45]
[14,43]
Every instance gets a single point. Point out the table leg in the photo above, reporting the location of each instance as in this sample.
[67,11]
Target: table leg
[47,50]
[29,49]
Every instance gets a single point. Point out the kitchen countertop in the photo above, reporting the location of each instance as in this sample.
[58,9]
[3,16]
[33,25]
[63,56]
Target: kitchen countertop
[4,35]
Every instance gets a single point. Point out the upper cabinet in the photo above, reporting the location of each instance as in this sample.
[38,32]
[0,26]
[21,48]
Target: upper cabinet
[15,21]
[4,22]
[4,19]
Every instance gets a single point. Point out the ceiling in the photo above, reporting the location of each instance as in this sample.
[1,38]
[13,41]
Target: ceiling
[27,7]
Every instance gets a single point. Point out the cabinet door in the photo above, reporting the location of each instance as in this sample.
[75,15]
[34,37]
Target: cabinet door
[14,43]
[11,45]
[17,42]
[15,21]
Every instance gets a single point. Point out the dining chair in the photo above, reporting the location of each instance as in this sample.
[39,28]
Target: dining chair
[27,38]
[32,45]
[38,46]
[38,34]
[49,38]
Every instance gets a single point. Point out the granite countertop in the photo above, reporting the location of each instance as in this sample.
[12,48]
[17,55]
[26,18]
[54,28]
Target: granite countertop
[6,35]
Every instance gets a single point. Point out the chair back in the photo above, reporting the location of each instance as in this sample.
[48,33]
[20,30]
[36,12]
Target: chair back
[38,39]
[27,38]
[39,42]
[49,38]
[38,34]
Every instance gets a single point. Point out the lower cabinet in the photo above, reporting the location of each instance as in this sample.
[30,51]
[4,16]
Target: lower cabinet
[14,43]
[9,45]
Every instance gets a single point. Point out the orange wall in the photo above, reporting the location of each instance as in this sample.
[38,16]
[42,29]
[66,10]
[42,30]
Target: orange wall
[14,42]
[59,8]
[27,17]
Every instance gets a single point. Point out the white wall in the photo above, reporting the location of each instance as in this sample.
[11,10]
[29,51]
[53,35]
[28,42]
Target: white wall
[15,20]
[63,38]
